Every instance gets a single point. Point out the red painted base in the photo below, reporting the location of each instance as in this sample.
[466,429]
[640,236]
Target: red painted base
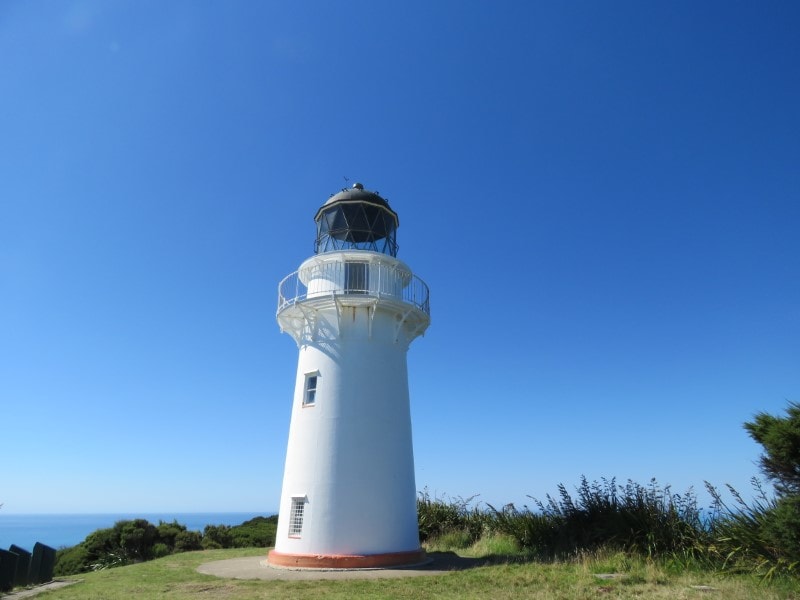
[346,561]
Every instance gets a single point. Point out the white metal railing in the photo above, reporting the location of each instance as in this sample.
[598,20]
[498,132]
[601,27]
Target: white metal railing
[354,278]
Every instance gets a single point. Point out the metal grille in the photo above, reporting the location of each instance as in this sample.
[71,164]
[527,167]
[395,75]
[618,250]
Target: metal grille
[296,516]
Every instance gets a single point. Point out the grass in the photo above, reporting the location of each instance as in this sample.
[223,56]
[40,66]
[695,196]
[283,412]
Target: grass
[501,572]
[605,540]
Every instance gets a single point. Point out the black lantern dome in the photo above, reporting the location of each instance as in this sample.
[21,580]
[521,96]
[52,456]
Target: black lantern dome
[356,219]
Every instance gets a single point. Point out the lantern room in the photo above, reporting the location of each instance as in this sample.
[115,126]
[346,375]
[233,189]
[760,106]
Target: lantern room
[356,219]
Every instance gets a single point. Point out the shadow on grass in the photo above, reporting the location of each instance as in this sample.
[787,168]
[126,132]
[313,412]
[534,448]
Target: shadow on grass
[450,561]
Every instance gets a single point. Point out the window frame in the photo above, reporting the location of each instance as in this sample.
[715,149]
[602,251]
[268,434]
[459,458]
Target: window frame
[356,276]
[309,392]
[297,513]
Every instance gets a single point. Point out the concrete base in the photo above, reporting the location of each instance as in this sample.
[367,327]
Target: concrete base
[346,561]
[256,567]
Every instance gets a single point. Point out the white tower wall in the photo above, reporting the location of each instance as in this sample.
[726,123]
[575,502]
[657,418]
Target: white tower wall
[349,459]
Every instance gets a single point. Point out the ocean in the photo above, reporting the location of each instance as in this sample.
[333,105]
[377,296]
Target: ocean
[59,531]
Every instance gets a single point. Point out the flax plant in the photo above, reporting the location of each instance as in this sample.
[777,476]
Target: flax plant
[649,520]
[743,534]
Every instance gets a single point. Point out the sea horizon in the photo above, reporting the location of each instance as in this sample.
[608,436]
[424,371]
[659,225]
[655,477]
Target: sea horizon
[63,530]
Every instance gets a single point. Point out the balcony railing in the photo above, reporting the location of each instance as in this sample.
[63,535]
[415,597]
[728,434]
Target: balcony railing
[354,278]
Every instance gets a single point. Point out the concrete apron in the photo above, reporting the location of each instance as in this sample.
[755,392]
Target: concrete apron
[256,567]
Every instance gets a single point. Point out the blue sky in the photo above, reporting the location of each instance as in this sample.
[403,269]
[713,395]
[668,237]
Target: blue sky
[604,199]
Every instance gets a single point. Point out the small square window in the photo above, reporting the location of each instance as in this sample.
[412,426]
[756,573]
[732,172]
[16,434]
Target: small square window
[310,390]
[296,516]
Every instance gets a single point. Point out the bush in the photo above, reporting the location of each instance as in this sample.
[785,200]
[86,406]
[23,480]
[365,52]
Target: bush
[99,543]
[71,560]
[780,437]
[160,550]
[167,532]
[255,533]
[217,536]
[764,535]
[187,541]
[138,540]
[782,528]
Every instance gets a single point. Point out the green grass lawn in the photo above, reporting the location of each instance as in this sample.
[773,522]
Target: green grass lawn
[175,576]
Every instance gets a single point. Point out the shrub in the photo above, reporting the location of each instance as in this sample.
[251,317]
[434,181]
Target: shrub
[101,542]
[160,550]
[217,536]
[187,541]
[783,528]
[71,560]
[780,437]
[255,533]
[167,532]
[116,558]
[136,538]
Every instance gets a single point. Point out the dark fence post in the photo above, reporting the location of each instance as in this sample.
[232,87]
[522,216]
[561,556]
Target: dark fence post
[8,570]
[43,562]
[23,565]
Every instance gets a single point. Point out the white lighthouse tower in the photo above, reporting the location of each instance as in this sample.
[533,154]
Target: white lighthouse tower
[349,497]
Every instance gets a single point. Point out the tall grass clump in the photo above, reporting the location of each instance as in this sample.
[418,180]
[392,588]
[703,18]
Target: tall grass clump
[761,536]
[649,520]
[454,521]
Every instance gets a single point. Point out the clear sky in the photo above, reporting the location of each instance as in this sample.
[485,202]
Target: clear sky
[604,198]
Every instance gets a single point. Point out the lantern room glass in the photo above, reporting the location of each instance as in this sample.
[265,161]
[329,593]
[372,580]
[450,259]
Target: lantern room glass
[356,225]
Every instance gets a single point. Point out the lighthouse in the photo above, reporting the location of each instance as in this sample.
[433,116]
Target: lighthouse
[349,498]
